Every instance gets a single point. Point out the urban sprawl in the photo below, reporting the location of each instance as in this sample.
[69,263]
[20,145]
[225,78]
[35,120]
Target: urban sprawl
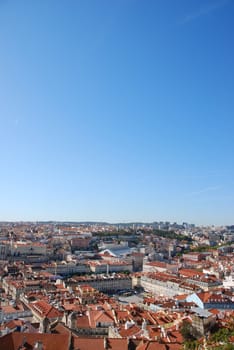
[100,286]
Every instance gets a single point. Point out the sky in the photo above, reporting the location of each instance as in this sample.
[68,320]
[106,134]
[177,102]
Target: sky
[117,110]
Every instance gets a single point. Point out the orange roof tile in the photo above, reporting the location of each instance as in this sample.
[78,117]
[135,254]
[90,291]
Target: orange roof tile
[96,343]
[14,340]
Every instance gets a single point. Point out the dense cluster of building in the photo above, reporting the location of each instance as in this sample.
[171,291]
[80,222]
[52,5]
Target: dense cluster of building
[82,286]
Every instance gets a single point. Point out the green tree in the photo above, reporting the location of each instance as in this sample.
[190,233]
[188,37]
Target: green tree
[187,331]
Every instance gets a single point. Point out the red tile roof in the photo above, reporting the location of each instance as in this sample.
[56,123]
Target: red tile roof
[151,345]
[14,340]
[44,309]
[97,343]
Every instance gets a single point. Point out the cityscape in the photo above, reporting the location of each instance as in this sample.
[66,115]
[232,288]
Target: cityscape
[117,175]
[136,286]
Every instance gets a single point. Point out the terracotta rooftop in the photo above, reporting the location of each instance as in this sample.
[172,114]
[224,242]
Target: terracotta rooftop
[15,340]
[44,309]
[151,345]
[100,344]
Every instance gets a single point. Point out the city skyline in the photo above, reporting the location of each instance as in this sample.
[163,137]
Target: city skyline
[117,111]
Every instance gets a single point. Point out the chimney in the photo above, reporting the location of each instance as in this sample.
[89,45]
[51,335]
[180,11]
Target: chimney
[163,332]
[38,346]
[23,343]
[105,343]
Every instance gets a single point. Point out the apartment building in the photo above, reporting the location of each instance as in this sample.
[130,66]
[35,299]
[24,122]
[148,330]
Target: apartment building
[103,283]
[166,284]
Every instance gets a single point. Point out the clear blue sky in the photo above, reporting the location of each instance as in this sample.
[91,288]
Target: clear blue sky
[117,110]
